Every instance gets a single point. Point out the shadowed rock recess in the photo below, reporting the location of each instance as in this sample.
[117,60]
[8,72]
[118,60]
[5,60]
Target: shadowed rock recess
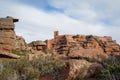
[83,54]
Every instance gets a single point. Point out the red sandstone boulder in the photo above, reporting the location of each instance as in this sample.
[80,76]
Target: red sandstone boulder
[78,69]
[20,43]
[87,54]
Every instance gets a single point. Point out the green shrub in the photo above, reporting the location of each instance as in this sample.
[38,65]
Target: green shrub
[47,64]
[111,69]
[21,53]
[6,73]
[21,67]
[91,60]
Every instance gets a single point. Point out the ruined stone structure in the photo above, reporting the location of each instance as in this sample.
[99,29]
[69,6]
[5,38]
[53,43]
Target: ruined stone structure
[79,45]
[9,41]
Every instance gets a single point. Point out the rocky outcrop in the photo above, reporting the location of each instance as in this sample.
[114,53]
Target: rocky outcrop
[79,46]
[78,68]
[7,33]
[94,47]
[20,43]
[9,41]
[89,54]
[8,38]
[37,45]
[36,48]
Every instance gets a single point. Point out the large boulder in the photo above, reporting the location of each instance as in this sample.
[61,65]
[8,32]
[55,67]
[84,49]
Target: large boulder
[20,43]
[89,54]
[78,69]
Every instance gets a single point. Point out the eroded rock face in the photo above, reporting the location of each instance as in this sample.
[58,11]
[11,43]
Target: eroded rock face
[37,45]
[8,39]
[20,43]
[36,48]
[7,34]
[83,46]
[78,67]
[90,54]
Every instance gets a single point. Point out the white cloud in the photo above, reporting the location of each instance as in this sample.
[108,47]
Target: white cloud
[79,9]
[90,10]
[37,24]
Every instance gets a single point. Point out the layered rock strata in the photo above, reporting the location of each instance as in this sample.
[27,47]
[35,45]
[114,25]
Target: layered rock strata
[9,41]
[7,33]
[77,46]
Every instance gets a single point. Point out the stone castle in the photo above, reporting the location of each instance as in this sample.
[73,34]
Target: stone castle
[73,46]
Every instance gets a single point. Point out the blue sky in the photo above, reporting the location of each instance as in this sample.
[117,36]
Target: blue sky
[39,18]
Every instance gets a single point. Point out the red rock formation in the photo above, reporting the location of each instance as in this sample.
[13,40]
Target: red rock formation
[7,33]
[9,41]
[82,45]
[36,48]
[20,43]
[37,45]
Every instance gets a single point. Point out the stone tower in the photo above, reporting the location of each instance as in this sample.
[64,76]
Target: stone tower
[56,33]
